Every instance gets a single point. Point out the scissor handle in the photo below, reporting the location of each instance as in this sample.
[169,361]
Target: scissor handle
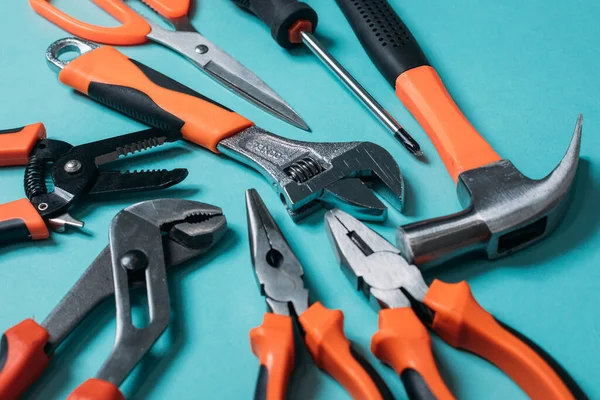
[133,31]
[171,8]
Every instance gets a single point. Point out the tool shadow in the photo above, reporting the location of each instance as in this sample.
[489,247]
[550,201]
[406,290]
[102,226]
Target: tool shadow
[58,377]
[579,224]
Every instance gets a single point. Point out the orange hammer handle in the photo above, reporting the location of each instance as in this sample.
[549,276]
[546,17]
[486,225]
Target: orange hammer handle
[332,352]
[273,344]
[16,144]
[109,77]
[464,324]
[459,145]
[403,343]
[96,389]
[22,358]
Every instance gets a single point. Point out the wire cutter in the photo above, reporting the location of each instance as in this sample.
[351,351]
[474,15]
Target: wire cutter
[146,240]
[409,305]
[279,276]
[185,40]
[75,172]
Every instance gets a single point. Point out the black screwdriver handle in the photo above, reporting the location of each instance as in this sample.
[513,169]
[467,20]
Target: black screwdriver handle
[384,37]
[281,16]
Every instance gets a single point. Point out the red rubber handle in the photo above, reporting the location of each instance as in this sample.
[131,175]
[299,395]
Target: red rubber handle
[96,389]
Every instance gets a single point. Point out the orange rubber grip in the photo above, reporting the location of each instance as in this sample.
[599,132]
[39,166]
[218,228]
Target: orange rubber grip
[464,324]
[273,344]
[403,343]
[133,31]
[108,76]
[460,146]
[16,144]
[330,349]
[96,389]
[20,221]
[22,358]
[171,8]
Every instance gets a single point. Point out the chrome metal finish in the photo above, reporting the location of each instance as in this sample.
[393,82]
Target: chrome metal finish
[277,270]
[373,265]
[188,42]
[360,92]
[72,166]
[504,212]
[66,45]
[59,223]
[343,166]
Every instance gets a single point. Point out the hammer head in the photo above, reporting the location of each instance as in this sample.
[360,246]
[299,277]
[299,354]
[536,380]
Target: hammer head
[504,211]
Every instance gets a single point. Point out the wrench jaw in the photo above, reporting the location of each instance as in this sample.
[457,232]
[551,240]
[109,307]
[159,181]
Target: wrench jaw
[504,212]
[308,176]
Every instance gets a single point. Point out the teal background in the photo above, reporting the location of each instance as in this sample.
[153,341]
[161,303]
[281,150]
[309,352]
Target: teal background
[521,71]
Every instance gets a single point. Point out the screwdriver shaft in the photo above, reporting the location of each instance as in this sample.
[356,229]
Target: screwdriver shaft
[386,119]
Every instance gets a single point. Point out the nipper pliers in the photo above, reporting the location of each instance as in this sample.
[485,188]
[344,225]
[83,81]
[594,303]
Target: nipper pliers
[410,306]
[280,278]
[146,240]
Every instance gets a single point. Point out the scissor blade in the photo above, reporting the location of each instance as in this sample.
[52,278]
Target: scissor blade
[227,71]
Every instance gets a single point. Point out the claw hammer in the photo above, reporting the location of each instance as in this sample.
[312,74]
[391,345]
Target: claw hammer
[503,211]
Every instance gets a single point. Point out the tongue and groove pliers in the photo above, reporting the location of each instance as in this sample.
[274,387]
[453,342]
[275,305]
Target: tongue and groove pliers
[280,278]
[75,172]
[409,306]
[146,240]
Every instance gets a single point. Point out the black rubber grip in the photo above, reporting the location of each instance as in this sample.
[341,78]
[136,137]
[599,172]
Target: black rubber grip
[280,16]
[568,380]
[3,351]
[8,131]
[415,386]
[384,390]
[13,231]
[384,37]
[260,393]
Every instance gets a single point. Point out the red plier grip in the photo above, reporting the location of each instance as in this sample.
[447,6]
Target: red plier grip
[109,77]
[16,144]
[133,31]
[96,389]
[22,358]
[463,323]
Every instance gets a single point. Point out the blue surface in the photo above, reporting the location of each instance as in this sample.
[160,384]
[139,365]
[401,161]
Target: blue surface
[521,71]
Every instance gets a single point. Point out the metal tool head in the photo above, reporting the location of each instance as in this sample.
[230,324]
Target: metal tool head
[372,264]
[76,172]
[504,212]
[187,229]
[278,272]
[308,176]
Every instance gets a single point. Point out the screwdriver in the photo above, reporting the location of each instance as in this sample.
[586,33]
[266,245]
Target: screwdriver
[293,23]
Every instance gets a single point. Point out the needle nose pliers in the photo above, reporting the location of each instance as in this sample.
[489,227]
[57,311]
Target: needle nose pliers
[75,171]
[146,240]
[279,275]
[409,305]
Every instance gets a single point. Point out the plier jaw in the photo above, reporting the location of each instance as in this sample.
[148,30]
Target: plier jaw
[373,265]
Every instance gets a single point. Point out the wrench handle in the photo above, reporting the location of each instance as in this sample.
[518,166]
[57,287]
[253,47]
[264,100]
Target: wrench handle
[138,91]
[398,56]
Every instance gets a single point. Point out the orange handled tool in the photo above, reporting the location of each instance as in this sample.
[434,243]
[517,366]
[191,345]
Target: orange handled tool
[17,144]
[280,276]
[399,58]
[409,306]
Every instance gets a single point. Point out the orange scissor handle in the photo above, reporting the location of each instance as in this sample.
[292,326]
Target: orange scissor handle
[22,358]
[133,31]
[403,343]
[273,344]
[171,8]
[460,146]
[108,76]
[16,144]
[331,351]
[464,324]
[96,389]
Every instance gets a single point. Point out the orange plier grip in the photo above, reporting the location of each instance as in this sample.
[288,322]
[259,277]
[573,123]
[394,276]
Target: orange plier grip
[16,144]
[109,77]
[463,323]
[20,221]
[96,389]
[22,358]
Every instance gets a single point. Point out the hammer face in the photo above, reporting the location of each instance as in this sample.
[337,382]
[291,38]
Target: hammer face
[504,212]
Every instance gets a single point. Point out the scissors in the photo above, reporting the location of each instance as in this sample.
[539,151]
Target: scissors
[184,39]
